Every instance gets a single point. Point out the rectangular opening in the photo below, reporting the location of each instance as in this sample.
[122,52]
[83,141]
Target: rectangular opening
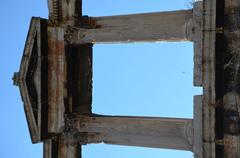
[144,79]
[114,151]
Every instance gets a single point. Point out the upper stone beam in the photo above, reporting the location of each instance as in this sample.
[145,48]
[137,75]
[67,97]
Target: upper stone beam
[148,27]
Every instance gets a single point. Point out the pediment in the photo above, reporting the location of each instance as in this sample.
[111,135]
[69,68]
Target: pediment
[32,78]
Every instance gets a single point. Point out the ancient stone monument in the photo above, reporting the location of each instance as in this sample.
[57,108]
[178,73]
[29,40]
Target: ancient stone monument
[55,79]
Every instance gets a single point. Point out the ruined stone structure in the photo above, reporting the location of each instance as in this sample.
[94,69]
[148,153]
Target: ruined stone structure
[55,79]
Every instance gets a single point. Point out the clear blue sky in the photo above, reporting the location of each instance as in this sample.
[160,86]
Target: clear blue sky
[144,79]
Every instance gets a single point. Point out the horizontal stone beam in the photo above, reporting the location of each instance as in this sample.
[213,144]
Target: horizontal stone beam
[153,132]
[148,27]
